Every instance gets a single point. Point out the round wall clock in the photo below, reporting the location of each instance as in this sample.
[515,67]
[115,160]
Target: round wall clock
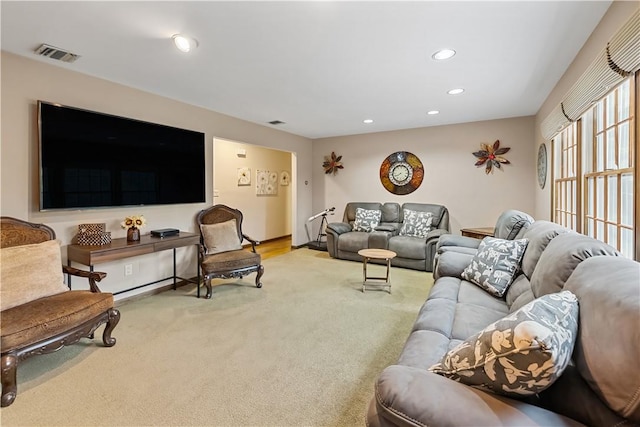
[401,173]
[542,165]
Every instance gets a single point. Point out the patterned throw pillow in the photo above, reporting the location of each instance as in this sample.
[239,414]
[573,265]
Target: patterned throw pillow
[520,354]
[495,264]
[366,219]
[416,223]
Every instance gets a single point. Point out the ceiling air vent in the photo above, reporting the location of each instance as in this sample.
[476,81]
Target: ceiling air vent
[276,122]
[56,53]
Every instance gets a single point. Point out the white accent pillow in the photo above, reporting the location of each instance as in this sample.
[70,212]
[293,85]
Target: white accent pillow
[495,264]
[416,223]
[221,237]
[366,219]
[521,354]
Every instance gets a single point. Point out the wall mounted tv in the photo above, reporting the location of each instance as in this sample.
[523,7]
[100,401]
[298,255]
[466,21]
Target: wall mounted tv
[93,160]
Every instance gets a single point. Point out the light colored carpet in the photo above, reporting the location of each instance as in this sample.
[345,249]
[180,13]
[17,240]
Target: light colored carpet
[304,350]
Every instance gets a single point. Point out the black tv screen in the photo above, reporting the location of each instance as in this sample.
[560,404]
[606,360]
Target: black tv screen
[92,160]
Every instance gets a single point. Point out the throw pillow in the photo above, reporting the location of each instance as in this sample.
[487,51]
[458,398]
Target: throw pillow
[366,219]
[521,354]
[495,264]
[416,223]
[221,237]
[30,272]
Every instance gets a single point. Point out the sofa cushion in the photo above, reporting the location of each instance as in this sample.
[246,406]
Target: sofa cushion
[43,318]
[417,224]
[366,219]
[221,237]
[353,242]
[495,264]
[521,354]
[608,346]
[29,272]
[563,253]
[539,235]
[408,247]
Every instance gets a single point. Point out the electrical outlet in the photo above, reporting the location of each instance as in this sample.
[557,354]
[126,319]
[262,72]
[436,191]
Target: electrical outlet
[128,269]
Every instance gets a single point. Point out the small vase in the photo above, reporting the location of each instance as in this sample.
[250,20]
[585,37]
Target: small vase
[133,234]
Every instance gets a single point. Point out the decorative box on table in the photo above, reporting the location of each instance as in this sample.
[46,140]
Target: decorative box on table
[93,235]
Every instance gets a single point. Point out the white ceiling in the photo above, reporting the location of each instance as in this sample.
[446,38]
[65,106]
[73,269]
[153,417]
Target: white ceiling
[321,67]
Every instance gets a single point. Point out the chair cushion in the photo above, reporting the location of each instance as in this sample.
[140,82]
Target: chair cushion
[29,272]
[417,224]
[521,354]
[221,237]
[49,316]
[495,265]
[228,261]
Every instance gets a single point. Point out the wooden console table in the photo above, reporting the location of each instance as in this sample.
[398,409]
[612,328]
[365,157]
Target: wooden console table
[478,233]
[120,249]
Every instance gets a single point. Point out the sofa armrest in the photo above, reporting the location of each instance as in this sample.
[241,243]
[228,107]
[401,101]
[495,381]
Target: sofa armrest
[407,396]
[93,276]
[338,227]
[451,264]
[455,240]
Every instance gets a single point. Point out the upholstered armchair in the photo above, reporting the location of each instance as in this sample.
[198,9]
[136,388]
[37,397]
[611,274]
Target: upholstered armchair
[221,254]
[38,313]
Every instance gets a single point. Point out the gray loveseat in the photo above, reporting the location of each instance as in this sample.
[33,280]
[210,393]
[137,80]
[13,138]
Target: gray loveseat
[600,386]
[412,252]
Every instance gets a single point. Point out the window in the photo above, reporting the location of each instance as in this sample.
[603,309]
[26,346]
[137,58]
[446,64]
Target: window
[595,171]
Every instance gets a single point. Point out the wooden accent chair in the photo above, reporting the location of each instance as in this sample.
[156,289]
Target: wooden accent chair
[38,313]
[221,254]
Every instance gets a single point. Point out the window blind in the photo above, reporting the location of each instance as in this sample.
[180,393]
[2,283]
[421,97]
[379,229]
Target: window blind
[618,60]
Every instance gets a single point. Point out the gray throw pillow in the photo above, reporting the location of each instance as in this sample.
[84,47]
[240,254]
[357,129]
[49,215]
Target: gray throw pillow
[416,223]
[495,265]
[221,237]
[366,219]
[521,354]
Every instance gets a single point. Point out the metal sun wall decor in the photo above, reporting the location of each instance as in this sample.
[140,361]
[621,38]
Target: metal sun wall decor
[491,155]
[332,164]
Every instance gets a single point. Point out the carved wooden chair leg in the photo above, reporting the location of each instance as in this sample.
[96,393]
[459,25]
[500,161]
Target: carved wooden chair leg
[114,318]
[259,275]
[9,388]
[207,283]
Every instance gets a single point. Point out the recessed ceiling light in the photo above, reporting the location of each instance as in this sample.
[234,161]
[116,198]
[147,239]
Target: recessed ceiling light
[433,112]
[457,91]
[443,54]
[367,121]
[184,43]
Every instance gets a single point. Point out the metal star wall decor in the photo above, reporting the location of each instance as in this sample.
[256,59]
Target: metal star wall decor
[491,155]
[332,164]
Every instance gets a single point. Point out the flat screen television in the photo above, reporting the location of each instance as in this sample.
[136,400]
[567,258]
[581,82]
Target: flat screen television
[95,160]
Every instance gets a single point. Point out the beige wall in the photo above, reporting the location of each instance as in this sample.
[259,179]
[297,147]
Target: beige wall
[24,81]
[265,216]
[451,179]
[617,15]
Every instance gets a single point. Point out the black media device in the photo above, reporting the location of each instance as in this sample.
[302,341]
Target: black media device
[165,232]
[95,160]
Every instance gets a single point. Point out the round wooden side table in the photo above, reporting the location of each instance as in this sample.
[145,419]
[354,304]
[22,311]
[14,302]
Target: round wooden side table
[376,282]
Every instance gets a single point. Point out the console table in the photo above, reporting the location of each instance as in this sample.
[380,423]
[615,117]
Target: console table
[478,233]
[120,249]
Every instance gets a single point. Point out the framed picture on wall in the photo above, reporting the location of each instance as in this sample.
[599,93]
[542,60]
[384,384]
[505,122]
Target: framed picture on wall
[244,176]
[284,178]
[266,183]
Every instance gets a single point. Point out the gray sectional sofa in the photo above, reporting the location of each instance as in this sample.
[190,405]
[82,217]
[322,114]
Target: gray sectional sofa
[599,387]
[412,252]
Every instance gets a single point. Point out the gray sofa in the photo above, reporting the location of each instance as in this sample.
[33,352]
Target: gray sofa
[600,386]
[412,252]
[511,224]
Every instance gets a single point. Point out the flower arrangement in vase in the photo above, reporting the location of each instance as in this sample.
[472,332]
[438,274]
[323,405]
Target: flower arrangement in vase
[133,224]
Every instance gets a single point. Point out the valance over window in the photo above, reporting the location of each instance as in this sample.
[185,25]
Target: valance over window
[617,61]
